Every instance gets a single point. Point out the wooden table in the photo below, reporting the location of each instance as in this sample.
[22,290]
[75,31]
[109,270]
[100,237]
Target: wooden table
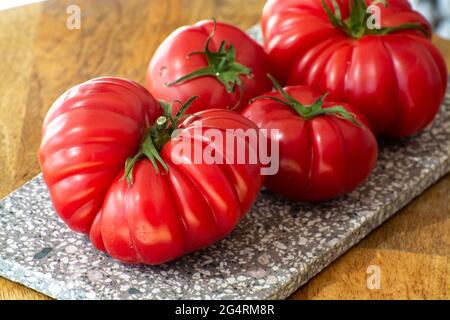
[41,58]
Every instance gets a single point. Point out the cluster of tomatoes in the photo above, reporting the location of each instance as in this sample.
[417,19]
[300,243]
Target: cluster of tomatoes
[106,152]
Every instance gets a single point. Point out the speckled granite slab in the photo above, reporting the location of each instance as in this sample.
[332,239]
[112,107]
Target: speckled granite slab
[278,247]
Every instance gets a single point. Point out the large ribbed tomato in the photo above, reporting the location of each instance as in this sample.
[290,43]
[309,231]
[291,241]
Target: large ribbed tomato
[217,62]
[165,207]
[394,74]
[325,148]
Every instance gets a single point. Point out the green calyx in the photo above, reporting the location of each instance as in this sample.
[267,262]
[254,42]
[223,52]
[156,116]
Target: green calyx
[309,112]
[156,137]
[221,64]
[357,26]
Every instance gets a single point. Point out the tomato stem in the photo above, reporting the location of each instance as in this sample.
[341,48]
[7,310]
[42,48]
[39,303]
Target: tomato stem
[222,65]
[308,112]
[356,25]
[156,136]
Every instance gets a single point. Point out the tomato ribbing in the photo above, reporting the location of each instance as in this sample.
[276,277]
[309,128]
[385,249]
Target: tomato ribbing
[156,137]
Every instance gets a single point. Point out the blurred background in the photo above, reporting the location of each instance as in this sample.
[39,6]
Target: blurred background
[437,12]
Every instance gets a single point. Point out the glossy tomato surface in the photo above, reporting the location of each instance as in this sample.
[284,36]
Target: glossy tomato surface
[91,131]
[174,59]
[320,158]
[397,80]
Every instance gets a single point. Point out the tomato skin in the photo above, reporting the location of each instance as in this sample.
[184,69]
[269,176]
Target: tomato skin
[172,60]
[89,133]
[397,80]
[321,158]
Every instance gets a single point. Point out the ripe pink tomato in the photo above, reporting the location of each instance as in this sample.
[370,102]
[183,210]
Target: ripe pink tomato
[393,74]
[217,62]
[326,148]
[108,129]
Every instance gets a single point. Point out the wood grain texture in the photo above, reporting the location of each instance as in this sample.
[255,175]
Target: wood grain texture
[41,58]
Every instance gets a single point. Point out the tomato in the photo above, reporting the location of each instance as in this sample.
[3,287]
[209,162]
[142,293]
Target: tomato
[217,62]
[325,148]
[393,74]
[106,156]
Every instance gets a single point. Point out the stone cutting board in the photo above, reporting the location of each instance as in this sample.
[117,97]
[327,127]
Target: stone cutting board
[278,247]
